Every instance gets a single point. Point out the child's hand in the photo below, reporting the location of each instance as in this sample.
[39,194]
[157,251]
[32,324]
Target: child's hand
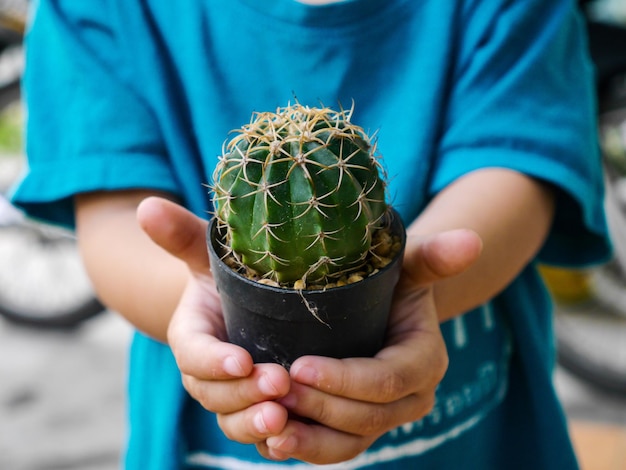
[352,402]
[221,376]
[348,403]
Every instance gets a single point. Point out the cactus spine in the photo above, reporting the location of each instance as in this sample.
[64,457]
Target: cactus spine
[299,195]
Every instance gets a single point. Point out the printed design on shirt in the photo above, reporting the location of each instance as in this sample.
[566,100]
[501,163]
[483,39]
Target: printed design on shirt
[476,383]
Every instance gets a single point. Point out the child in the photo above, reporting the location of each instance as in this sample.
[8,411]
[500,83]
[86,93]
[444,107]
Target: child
[485,119]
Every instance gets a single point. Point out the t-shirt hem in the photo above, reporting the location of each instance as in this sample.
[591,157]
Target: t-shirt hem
[46,193]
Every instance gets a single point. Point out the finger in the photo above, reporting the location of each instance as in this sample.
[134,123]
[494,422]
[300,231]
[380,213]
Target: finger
[439,256]
[176,230]
[197,339]
[409,365]
[313,443]
[207,358]
[356,417]
[254,424]
[266,382]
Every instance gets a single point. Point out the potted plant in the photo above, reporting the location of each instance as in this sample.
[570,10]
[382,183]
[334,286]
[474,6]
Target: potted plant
[304,248]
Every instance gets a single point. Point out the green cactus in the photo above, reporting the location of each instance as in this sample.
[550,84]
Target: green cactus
[300,194]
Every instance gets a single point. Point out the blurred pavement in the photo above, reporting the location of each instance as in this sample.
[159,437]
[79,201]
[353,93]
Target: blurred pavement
[62,396]
[62,401]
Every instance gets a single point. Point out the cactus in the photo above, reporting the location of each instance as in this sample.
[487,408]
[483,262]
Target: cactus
[299,195]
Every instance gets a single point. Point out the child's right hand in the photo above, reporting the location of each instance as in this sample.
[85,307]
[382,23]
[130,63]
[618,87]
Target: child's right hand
[219,375]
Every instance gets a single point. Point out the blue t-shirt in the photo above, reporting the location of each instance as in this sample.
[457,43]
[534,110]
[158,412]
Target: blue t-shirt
[141,94]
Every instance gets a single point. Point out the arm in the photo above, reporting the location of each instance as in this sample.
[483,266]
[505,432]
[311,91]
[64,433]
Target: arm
[130,274]
[512,214]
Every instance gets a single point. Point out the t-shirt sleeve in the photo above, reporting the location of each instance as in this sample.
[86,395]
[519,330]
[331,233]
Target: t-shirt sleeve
[522,98]
[87,129]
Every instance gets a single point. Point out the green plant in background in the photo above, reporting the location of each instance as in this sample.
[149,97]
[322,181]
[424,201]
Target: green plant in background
[11,131]
[614,146]
[299,195]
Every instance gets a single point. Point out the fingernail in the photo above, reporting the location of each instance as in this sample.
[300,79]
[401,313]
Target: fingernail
[286,444]
[277,455]
[232,367]
[306,375]
[259,423]
[267,387]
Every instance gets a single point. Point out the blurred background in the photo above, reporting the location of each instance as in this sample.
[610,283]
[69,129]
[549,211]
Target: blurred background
[63,356]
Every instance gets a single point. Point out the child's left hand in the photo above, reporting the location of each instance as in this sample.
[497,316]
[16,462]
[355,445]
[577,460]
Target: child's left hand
[349,403]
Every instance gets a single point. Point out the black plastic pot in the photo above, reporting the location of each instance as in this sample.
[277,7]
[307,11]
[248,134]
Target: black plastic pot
[274,324]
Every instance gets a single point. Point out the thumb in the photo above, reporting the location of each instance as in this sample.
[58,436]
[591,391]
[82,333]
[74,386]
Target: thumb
[435,257]
[176,230]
